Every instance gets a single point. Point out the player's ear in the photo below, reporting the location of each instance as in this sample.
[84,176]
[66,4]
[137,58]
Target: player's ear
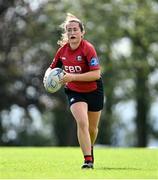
[83,33]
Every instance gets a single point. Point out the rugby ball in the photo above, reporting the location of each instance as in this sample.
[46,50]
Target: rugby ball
[52,78]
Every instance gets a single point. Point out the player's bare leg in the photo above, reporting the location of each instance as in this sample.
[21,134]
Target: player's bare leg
[79,111]
[94,118]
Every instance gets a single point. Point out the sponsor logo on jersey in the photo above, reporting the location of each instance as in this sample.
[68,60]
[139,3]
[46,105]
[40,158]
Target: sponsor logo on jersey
[79,58]
[73,69]
[94,61]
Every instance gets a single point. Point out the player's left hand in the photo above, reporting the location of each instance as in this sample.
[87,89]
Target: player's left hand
[68,77]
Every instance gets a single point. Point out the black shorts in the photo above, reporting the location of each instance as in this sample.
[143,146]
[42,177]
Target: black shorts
[94,99]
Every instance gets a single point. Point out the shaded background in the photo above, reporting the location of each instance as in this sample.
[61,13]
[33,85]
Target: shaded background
[125,34]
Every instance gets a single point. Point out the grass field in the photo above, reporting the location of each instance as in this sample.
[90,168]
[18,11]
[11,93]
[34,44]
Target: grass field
[65,163]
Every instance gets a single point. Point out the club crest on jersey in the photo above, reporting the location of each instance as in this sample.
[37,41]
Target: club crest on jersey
[94,61]
[63,58]
[79,58]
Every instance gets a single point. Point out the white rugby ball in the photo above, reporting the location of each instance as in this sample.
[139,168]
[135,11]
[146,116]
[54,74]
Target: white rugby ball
[52,78]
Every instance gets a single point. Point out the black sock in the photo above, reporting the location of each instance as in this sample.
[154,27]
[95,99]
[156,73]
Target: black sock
[92,154]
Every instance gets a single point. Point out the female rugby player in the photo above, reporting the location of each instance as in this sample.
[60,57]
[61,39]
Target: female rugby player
[83,84]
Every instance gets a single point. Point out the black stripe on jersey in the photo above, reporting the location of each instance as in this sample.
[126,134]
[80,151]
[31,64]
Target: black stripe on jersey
[59,64]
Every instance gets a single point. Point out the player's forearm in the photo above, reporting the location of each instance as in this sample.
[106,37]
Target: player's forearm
[88,76]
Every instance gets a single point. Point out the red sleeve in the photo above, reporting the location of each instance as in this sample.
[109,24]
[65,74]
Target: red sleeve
[57,60]
[92,57]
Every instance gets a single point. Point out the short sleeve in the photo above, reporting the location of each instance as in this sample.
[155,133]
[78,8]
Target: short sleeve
[57,60]
[92,58]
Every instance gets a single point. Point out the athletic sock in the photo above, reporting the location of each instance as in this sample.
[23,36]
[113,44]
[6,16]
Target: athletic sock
[88,158]
[92,154]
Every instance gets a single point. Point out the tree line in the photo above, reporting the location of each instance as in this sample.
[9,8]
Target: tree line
[125,36]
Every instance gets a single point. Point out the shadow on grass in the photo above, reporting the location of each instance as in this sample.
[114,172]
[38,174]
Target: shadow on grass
[113,168]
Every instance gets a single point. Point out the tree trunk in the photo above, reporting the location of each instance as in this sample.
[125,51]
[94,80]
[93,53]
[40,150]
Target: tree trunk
[105,129]
[142,107]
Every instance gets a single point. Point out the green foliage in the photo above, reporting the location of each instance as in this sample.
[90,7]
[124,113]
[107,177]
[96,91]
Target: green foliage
[28,42]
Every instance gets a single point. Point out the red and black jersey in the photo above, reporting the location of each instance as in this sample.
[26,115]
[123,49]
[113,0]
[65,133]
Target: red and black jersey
[80,60]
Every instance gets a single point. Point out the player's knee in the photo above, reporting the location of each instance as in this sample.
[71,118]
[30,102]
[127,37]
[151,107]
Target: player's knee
[82,124]
[93,130]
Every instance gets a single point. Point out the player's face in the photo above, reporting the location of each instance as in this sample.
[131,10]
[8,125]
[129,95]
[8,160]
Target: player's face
[74,32]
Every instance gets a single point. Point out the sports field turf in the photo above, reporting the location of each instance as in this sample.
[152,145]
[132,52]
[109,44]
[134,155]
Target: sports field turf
[65,163]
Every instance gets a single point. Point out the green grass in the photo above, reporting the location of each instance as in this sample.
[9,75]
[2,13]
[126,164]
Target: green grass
[65,163]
